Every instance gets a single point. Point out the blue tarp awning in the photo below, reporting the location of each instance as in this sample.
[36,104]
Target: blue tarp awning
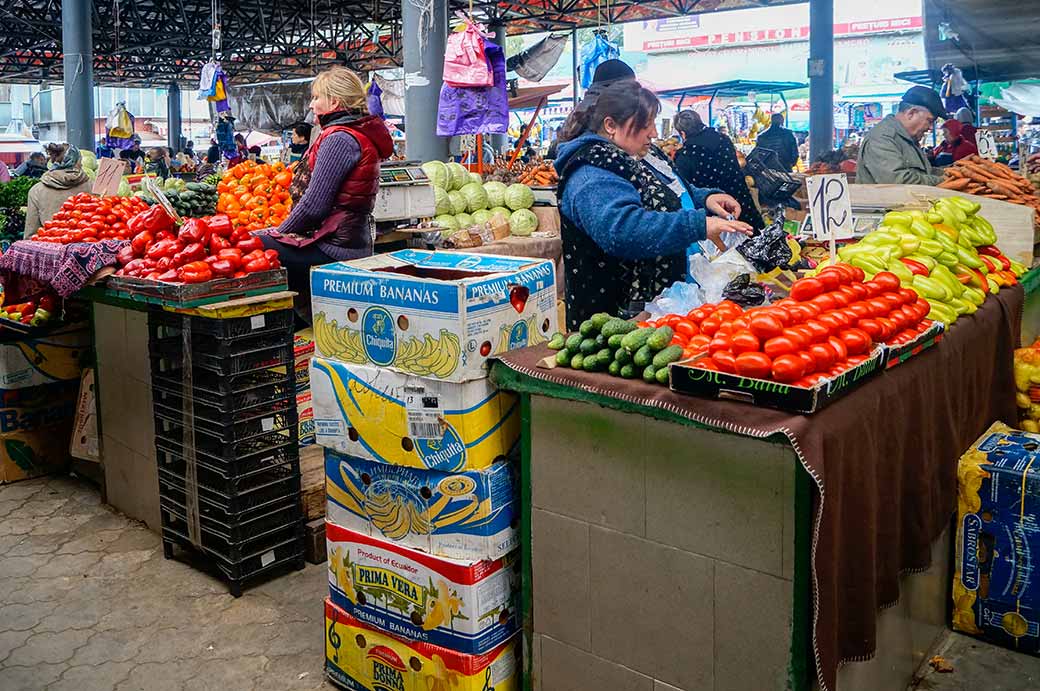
[733,88]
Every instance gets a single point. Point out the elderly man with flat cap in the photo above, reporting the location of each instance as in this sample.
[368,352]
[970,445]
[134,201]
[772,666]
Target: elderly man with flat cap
[891,151]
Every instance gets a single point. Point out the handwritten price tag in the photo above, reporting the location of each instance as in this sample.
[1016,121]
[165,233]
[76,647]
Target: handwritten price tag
[109,175]
[987,144]
[830,207]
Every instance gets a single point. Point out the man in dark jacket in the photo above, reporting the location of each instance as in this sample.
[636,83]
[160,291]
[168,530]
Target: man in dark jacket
[781,140]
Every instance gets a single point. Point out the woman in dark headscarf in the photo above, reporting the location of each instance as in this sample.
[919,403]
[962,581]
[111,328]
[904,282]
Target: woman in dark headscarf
[709,159]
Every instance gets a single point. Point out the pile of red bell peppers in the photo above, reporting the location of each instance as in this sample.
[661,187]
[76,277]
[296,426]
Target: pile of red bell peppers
[199,250]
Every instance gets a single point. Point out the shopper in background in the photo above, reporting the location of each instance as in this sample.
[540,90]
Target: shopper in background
[189,150]
[298,143]
[967,120]
[34,166]
[708,159]
[156,163]
[334,186]
[954,146]
[891,152]
[134,154]
[255,153]
[209,163]
[625,230]
[67,179]
[781,140]
[241,150]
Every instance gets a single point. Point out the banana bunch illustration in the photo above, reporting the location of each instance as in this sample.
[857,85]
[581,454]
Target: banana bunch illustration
[439,677]
[519,335]
[339,566]
[343,344]
[429,357]
[53,360]
[443,608]
[396,513]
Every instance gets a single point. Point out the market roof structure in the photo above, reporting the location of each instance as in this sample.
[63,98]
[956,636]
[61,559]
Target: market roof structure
[151,41]
[994,40]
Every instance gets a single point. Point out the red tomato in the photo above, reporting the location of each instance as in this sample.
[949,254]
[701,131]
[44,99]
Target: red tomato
[830,279]
[840,299]
[757,365]
[873,289]
[823,354]
[697,315]
[741,324]
[671,320]
[710,325]
[808,360]
[725,329]
[766,326]
[788,368]
[862,310]
[859,289]
[857,359]
[887,280]
[909,296]
[842,269]
[700,342]
[857,273]
[805,289]
[728,306]
[839,348]
[824,302]
[832,321]
[687,328]
[779,345]
[802,313]
[707,364]
[719,343]
[889,327]
[819,330]
[856,341]
[846,317]
[879,306]
[872,327]
[744,342]
[724,361]
[807,335]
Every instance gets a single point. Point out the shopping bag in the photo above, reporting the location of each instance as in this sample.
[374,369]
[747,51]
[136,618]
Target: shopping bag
[600,50]
[465,62]
[119,123]
[482,110]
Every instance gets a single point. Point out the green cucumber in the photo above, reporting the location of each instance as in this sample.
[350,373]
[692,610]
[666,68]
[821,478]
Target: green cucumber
[587,328]
[588,346]
[557,341]
[563,359]
[635,340]
[617,326]
[614,369]
[662,376]
[614,342]
[667,356]
[599,319]
[660,338]
[573,342]
[650,375]
[628,371]
[643,357]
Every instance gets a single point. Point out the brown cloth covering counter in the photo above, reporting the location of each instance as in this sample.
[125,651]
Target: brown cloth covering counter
[883,459]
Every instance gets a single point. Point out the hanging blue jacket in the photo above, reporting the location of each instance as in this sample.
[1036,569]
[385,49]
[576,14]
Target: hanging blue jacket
[609,210]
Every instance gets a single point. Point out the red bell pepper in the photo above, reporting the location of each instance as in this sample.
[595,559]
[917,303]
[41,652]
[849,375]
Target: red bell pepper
[273,258]
[133,268]
[222,267]
[195,272]
[991,250]
[141,242]
[164,264]
[259,264]
[194,230]
[170,276]
[250,243]
[218,242]
[231,253]
[163,248]
[220,225]
[125,255]
[153,220]
[163,235]
[192,253]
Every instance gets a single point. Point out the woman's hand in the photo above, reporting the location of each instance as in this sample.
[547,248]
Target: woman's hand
[722,205]
[717,226]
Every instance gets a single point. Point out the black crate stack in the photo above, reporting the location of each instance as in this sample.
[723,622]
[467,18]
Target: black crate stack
[228,451]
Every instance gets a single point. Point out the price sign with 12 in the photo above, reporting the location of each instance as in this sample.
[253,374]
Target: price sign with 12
[830,208]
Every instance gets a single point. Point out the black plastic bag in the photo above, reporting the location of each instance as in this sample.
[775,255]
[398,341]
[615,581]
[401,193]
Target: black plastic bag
[767,250]
[743,292]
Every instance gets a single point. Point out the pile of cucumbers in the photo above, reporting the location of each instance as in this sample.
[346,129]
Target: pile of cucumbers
[619,347]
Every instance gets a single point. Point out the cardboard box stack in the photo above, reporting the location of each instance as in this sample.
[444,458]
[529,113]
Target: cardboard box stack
[421,497]
[303,350]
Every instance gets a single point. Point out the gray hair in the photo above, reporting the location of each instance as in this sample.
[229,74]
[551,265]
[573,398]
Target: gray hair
[964,115]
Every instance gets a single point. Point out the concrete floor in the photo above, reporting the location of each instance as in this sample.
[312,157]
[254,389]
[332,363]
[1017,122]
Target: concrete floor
[88,603]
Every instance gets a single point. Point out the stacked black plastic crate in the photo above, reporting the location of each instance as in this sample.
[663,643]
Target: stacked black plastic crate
[228,451]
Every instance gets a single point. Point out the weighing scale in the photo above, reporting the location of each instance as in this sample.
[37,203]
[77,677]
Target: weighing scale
[405,196]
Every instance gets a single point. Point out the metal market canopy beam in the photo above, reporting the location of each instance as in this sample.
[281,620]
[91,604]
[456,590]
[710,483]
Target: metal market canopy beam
[158,41]
[992,40]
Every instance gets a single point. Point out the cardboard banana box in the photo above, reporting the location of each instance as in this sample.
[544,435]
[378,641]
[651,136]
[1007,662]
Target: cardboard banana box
[42,360]
[469,515]
[34,438]
[360,658]
[433,314]
[402,419]
[466,606]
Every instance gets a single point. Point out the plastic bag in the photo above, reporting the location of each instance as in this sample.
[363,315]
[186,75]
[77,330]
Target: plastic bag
[535,62]
[119,123]
[465,61]
[714,276]
[476,111]
[680,298]
[599,50]
[767,250]
[744,292]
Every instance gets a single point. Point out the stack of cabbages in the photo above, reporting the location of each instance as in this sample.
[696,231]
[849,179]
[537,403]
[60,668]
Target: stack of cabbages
[464,200]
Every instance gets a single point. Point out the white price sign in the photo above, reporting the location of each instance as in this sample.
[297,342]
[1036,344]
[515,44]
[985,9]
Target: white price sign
[109,175]
[987,144]
[830,208]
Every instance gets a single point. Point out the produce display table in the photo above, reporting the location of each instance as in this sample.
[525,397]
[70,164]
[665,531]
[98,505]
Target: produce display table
[759,543]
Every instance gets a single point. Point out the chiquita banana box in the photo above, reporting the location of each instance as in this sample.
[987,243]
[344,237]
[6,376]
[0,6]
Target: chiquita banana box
[466,606]
[432,314]
[403,419]
[360,658]
[44,359]
[996,587]
[469,515]
[35,427]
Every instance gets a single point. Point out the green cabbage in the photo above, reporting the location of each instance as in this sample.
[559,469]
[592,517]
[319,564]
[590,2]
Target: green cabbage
[481,216]
[501,211]
[476,197]
[496,192]
[441,201]
[475,177]
[523,222]
[458,174]
[437,172]
[447,221]
[458,202]
[519,197]
[464,220]
[88,160]
[124,189]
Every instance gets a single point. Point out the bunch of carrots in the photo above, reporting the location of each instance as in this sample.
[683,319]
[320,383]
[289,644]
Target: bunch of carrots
[976,175]
[255,195]
[541,175]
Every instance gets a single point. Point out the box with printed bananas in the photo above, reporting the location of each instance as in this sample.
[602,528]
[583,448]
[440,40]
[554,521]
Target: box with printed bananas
[432,314]
[468,515]
[402,419]
[360,658]
[996,587]
[46,359]
[35,430]
[466,606]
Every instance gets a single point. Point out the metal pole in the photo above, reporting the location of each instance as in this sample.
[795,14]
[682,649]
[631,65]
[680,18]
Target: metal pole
[574,68]
[78,50]
[821,77]
[173,115]
[499,141]
[424,37]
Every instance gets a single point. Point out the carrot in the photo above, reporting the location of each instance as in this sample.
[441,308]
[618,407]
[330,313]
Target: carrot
[955,184]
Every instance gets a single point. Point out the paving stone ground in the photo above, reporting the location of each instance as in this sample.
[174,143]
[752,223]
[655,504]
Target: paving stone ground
[88,603]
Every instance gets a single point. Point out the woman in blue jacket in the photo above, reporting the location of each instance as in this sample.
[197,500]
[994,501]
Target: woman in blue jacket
[626,226]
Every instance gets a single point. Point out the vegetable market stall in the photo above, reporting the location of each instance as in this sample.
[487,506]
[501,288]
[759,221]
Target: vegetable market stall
[744,529]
